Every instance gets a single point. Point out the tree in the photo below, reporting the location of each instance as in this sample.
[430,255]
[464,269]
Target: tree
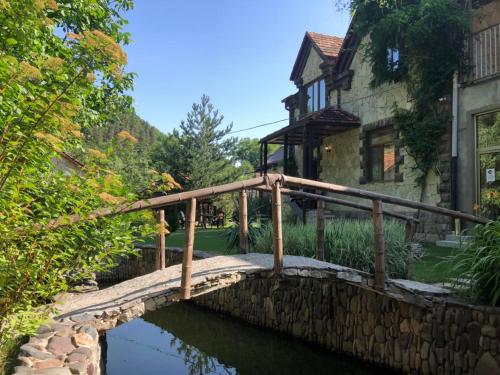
[199,155]
[49,95]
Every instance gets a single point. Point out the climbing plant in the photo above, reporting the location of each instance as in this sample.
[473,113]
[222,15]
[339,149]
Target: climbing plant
[421,45]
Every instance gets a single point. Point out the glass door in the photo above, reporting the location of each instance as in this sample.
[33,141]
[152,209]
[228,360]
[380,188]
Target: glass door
[488,160]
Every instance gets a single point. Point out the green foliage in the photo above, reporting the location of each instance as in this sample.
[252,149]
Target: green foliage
[257,213]
[477,266]
[48,95]
[429,36]
[421,132]
[347,242]
[128,142]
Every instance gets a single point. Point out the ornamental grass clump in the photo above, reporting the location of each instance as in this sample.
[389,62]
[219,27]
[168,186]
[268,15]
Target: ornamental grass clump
[475,271]
[348,243]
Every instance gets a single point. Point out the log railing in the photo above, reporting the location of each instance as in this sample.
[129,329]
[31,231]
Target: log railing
[273,183]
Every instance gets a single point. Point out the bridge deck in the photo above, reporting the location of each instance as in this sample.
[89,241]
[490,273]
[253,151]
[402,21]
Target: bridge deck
[168,280]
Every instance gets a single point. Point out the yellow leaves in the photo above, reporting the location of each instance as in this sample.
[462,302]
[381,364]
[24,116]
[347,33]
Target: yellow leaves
[49,138]
[97,154]
[108,198]
[162,229]
[54,63]
[93,184]
[90,77]
[51,4]
[126,136]
[104,43]
[42,4]
[170,182]
[28,71]
[74,36]
[112,180]
[76,133]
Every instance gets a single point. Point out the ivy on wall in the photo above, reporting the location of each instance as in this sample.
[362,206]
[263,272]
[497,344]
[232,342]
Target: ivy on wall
[420,44]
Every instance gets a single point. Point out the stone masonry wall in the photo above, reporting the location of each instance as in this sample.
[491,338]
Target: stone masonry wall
[135,266]
[402,331]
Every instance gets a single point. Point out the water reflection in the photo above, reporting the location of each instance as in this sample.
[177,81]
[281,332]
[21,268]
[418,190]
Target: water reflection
[184,339]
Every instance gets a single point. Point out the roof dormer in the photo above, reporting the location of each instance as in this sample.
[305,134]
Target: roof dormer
[316,49]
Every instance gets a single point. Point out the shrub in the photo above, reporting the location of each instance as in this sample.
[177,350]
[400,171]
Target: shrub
[347,242]
[476,269]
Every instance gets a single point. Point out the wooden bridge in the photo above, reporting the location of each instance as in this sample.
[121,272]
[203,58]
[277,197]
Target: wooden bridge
[276,184]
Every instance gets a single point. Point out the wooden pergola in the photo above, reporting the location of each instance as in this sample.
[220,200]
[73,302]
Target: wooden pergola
[308,132]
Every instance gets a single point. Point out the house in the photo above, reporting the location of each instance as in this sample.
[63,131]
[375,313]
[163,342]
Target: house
[341,130]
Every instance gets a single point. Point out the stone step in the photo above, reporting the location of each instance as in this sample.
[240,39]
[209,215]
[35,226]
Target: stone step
[452,244]
[454,237]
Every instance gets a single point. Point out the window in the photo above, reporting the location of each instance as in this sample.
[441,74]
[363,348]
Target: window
[316,96]
[381,155]
[392,59]
[488,164]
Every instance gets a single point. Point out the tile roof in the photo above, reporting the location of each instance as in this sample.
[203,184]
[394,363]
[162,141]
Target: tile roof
[329,45]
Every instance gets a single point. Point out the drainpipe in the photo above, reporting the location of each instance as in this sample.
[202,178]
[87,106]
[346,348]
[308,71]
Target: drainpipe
[454,147]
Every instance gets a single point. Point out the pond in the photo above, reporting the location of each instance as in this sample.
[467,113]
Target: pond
[186,339]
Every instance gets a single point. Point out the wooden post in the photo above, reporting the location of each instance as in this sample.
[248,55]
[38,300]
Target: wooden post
[243,222]
[160,240]
[187,261]
[277,229]
[320,229]
[378,224]
[409,230]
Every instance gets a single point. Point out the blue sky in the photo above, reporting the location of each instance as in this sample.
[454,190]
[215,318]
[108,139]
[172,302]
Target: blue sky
[239,52]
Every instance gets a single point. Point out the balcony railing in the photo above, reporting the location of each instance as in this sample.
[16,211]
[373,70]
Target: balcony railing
[486,53]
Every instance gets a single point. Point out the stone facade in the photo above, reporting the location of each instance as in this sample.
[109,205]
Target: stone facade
[401,331]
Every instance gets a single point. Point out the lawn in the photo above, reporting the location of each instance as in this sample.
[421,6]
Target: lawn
[430,268]
[212,240]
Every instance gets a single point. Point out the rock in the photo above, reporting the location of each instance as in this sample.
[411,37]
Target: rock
[91,331]
[22,370]
[60,345]
[78,368]
[76,357]
[87,352]
[487,365]
[83,318]
[53,371]
[29,351]
[424,351]
[489,331]
[379,334]
[48,363]
[404,327]
[83,339]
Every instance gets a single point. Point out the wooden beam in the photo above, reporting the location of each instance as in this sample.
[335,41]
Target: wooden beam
[265,157]
[187,261]
[243,222]
[160,240]
[157,202]
[346,190]
[378,224]
[342,202]
[277,229]
[320,230]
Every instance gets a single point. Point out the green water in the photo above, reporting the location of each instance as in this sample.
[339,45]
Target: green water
[185,339]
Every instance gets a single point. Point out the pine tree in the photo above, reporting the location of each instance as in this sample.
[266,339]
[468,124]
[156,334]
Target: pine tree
[205,152]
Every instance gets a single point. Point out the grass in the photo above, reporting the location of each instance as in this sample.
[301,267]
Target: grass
[427,270]
[211,240]
[430,268]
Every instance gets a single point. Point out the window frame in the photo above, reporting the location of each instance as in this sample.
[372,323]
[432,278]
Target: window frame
[389,130]
[316,98]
